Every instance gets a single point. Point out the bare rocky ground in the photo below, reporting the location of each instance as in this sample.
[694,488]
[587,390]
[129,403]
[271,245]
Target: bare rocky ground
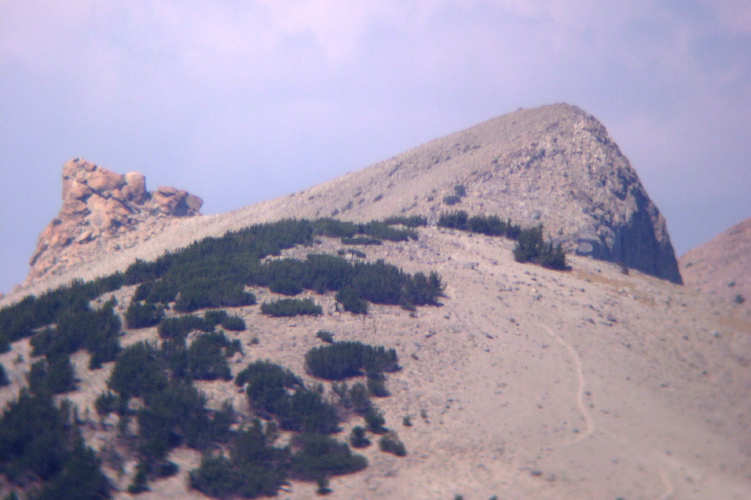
[525,383]
[721,269]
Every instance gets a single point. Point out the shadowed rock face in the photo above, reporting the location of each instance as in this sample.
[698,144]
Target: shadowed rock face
[99,205]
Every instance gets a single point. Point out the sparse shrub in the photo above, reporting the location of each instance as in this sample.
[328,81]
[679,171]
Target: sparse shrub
[407,421]
[375,421]
[390,443]
[451,199]
[531,247]
[234,324]
[359,398]
[291,307]
[323,486]
[321,456]
[460,190]
[325,336]
[377,385]
[740,299]
[357,437]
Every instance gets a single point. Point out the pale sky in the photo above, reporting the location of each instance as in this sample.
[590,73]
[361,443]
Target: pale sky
[241,101]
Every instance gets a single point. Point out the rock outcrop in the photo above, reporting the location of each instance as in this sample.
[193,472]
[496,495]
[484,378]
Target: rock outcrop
[100,207]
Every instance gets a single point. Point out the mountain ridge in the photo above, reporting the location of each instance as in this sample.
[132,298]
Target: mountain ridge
[554,165]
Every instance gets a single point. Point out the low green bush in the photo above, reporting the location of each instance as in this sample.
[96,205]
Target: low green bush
[361,240]
[375,421]
[143,315]
[325,336]
[53,376]
[531,247]
[408,221]
[357,437]
[291,307]
[390,443]
[350,299]
[138,372]
[320,456]
[349,359]
[178,327]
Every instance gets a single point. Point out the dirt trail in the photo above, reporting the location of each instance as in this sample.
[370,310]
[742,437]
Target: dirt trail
[579,391]
[669,489]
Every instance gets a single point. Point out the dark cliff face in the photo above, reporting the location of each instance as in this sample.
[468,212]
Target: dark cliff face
[636,246]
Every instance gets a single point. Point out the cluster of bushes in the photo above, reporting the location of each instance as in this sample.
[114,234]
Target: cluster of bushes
[19,320]
[211,273]
[459,192]
[40,442]
[291,307]
[305,410]
[178,327]
[376,282]
[215,271]
[489,225]
[361,240]
[341,360]
[531,247]
[80,327]
[256,466]
[174,411]
[53,375]
[141,315]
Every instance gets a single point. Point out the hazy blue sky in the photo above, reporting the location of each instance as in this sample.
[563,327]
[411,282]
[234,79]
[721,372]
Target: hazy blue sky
[240,101]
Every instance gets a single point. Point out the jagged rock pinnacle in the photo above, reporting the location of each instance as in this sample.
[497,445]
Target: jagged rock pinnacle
[98,207]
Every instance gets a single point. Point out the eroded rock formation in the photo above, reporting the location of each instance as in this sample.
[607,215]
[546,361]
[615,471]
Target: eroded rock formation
[100,208]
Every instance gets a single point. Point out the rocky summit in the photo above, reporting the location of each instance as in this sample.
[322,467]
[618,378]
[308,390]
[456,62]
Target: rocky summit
[553,165]
[101,212]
